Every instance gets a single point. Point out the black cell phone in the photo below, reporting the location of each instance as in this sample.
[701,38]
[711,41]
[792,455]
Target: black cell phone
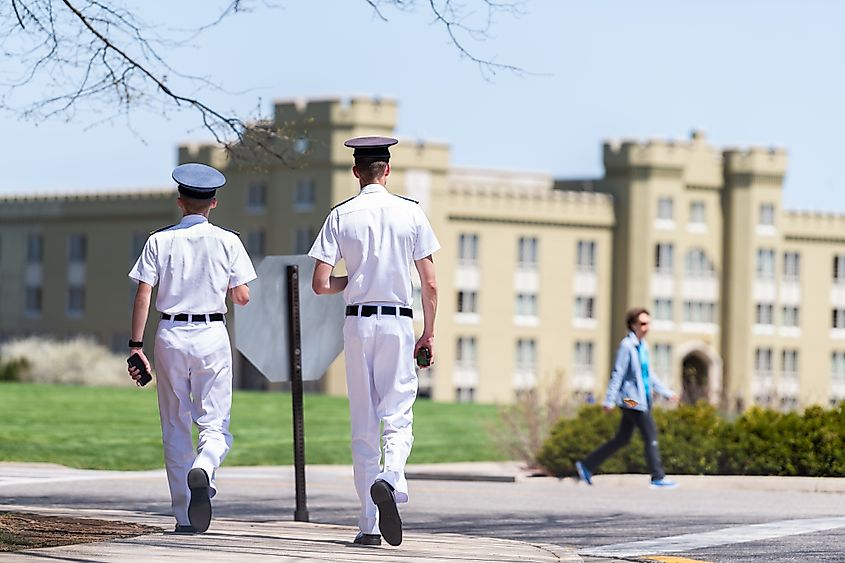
[423,357]
[135,361]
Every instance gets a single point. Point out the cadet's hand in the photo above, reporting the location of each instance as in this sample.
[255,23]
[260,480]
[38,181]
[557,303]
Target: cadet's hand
[134,372]
[425,341]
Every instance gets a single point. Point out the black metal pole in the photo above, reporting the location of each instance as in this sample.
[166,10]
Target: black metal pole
[295,347]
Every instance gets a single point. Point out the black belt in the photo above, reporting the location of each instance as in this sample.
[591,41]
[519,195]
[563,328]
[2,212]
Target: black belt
[370,310]
[193,318]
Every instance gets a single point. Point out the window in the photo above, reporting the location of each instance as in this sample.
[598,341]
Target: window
[467,301]
[305,194]
[256,197]
[583,357]
[303,239]
[526,304]
[789,363]
[698,265]
[76,299]
[34,249]
[767,215]
[468,248]
[763,361]
[765,263]
[256,244]
[527,252]
[765,314]
[665,209]
[32,300]
[662,355]
[791,315]
[697,214]
[838,318]
[464,394]
[837,367]
[585,307]
[699,312]
[664,258]
[586,256]
[466,356]
[526,353]
[839,268]
[791,266]
[77,248]
[662,310]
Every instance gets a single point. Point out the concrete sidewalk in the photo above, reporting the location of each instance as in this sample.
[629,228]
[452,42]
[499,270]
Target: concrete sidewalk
[231,540]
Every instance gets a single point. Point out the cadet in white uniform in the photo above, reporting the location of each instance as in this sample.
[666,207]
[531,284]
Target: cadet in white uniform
[195,265]
[379,235]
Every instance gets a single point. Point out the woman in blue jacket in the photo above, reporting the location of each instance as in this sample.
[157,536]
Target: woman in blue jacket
[631,388]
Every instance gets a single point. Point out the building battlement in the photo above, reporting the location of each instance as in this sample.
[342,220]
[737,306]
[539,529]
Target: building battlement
[756,160]
[357,111]
[93,195]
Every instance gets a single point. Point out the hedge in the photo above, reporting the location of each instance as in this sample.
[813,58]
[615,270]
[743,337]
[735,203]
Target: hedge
[698,440]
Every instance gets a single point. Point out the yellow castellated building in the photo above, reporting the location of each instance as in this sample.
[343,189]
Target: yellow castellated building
[535,274]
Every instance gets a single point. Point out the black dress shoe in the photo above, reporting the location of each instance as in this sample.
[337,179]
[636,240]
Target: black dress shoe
[389,523]
[199,508]
[367,539]
[185,529]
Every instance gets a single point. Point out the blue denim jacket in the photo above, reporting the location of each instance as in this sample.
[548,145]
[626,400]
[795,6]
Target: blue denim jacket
[626,379]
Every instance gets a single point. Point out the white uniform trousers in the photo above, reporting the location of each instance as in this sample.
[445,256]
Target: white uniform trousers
[194,381]
[382,386]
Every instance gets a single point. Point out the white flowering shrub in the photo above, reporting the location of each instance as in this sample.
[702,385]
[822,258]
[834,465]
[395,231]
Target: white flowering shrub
[78,361]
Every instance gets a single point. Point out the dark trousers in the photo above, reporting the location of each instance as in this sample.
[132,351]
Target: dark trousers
[645,423]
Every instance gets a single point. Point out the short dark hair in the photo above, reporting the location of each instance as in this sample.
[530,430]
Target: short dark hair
[370,170]
[633,314]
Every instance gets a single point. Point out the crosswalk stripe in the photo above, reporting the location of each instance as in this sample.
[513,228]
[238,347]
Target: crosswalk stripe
[724,536]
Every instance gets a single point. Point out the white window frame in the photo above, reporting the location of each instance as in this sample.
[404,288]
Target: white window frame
[468,249]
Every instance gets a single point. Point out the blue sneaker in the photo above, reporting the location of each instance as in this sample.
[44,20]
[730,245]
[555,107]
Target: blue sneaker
[662,484]
[584,473]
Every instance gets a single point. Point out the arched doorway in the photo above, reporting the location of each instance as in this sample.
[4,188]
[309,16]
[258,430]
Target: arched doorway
[695,380]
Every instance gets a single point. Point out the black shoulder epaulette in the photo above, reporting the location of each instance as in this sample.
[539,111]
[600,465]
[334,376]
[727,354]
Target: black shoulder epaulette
[345,201]
[230,230]
[409,199]
[162,229]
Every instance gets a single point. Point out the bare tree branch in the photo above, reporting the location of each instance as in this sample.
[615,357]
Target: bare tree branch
[98,57]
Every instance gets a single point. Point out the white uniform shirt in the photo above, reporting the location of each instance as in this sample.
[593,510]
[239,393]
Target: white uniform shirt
[194,263]
[379,235]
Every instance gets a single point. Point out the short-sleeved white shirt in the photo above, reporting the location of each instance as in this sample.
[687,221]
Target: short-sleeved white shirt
[379,235]
[194,263]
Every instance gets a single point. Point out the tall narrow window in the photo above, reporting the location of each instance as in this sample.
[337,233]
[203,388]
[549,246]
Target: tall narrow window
[586,256]
[34,249]
[466,356]
[256,199]
[527,252]
[697,213]
[526,353]
[256,244]
[468,248]
[765,263]
[77,248]
[791,266]
[839,268]
[583,362]
[664,258]
[303,239]
[767,215]
[662,310]
[765,314]
[305,195]
[76,299]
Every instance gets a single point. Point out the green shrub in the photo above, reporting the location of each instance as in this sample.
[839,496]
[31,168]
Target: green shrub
[13,369]
[698,440]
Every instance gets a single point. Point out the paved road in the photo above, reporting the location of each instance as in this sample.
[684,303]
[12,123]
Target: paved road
[720,520]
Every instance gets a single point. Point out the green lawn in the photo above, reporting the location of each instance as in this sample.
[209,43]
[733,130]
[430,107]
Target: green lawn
[106,428]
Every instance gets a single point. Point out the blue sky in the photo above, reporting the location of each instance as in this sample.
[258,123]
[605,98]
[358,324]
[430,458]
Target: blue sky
[747,72]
